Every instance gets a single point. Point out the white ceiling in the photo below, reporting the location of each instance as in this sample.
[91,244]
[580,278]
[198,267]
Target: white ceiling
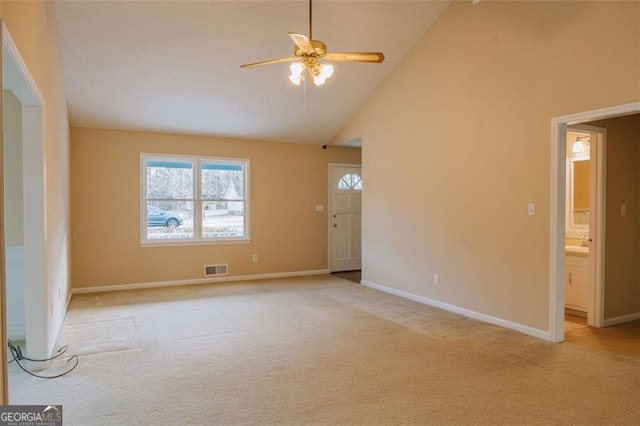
[173,66]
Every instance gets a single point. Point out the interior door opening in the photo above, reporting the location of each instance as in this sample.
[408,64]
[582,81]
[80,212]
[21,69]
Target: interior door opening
[583,208]
[558,236]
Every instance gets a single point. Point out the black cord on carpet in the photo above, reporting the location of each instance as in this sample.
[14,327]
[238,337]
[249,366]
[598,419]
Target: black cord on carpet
[16,352]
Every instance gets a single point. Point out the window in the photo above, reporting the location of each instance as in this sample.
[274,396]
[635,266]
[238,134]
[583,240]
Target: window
[350,181]
[187,200]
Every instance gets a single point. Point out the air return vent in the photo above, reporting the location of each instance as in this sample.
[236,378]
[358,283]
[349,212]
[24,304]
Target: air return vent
[213,270]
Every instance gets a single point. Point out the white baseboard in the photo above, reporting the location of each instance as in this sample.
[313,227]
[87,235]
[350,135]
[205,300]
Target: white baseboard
[621,319]
[98,289]
[541,334]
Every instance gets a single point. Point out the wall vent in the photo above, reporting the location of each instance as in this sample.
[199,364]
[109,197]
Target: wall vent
[211,270]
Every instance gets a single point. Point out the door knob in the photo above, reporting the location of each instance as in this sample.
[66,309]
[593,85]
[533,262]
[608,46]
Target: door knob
[335,225]
[334,216]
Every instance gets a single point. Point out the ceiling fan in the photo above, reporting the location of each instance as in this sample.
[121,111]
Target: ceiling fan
[311,55]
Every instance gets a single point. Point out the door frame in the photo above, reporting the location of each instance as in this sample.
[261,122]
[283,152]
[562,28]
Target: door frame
[330,209]
[557,220]
[16,76]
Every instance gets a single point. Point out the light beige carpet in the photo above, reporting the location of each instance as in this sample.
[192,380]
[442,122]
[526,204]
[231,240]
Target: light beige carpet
[322,350]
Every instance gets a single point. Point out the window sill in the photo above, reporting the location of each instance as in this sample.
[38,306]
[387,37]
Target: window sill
[145,244]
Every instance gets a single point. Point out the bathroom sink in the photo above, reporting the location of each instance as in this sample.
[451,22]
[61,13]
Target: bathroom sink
[577,249]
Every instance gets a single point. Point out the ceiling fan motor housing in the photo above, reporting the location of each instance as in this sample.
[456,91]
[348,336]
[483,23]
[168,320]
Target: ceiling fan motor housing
[319,50]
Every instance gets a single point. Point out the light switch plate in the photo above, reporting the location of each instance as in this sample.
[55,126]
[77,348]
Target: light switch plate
[319,208]
[531,209]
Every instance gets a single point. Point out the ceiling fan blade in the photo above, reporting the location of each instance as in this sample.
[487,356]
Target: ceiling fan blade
[376,57]
[272,61]
[303,42]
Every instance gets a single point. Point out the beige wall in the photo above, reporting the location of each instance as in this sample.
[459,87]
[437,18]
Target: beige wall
[287,181]
[33,28]
[622,251]
[471,107]
[12,160]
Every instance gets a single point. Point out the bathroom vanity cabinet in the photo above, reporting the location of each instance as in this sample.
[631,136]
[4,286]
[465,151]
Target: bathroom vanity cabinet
[576,282]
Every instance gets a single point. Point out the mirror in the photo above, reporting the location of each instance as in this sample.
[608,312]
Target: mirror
[580,191]
[578,183]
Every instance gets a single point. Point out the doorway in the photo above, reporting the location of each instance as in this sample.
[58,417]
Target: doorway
[26,311]
[557,295]
[584,207]
[345,216]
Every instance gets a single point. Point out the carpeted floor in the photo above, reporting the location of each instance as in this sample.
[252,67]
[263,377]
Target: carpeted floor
[322,350]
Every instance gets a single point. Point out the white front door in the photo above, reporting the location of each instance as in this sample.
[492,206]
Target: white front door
[346,214]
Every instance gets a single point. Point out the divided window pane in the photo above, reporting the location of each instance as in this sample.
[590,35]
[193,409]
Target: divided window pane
[193,199]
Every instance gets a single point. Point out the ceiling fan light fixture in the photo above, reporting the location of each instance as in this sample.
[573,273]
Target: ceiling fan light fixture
[297,70]
[295,79]
[321,72]
[308,54]
[326,70]
[319,80]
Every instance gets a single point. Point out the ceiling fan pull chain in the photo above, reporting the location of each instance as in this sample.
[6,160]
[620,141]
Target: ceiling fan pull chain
[304,97]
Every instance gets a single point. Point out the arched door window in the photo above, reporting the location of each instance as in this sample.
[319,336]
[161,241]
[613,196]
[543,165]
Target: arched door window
[350,181]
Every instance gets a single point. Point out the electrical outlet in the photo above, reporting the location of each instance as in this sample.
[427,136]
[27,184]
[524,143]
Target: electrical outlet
[254,258]
[436,278]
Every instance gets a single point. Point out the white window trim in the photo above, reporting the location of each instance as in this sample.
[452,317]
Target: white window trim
[197,202]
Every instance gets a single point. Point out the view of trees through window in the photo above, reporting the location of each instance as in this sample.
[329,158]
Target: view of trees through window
[222,194]
[194,199]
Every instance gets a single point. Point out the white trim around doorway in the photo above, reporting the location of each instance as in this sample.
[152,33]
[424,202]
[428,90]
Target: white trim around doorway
[597,184]
[18,79]
[557,210]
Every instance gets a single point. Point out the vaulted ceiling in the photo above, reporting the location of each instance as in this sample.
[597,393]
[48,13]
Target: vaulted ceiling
[173,66]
